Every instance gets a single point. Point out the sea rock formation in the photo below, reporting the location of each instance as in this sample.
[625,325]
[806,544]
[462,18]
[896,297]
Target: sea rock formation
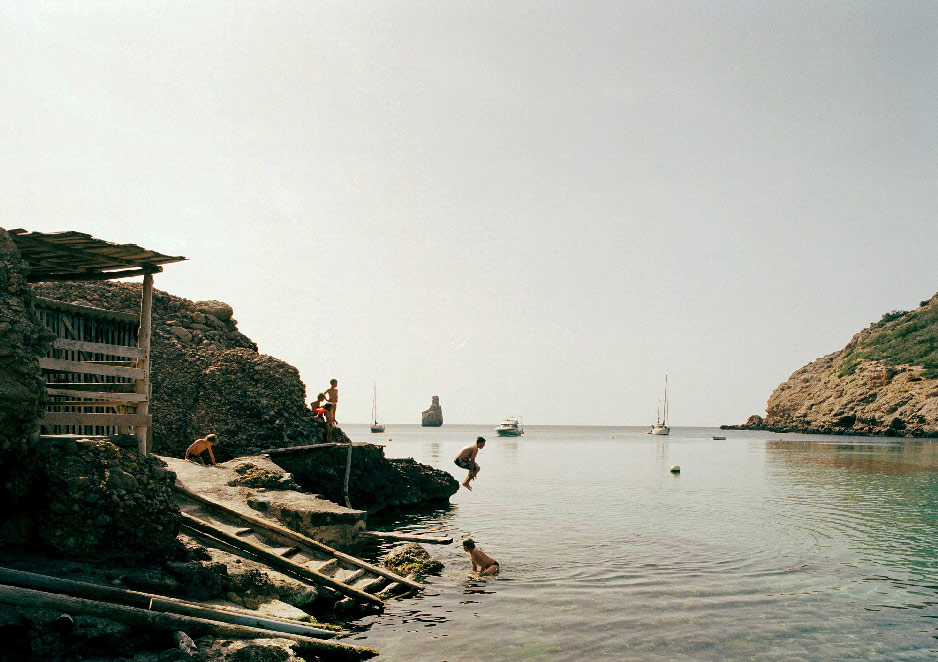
[884,382]
[375,482]
[433,417]
[207,376]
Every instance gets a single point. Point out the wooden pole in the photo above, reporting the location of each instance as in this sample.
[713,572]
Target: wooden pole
[156,602]
[136,617]
[143,342]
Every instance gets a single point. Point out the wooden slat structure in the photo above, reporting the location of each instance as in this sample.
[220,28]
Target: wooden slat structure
[98,369]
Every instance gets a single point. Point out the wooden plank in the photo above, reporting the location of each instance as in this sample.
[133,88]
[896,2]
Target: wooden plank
[114,396]
[91,311]
[69,418]
[432,540]
[83,367]
[113,388]
[91,275]
[99,348]
[90,403]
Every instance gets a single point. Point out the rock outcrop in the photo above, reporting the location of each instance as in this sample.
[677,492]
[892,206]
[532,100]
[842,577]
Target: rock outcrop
[884,382]
[22,388]
[375,482]
[432,417]
[207,376]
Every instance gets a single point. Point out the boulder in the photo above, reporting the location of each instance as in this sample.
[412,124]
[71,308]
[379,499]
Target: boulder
[217,309]
[412,559]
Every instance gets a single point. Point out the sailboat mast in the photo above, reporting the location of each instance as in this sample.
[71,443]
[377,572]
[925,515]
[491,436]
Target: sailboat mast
[374,406]
[665,422]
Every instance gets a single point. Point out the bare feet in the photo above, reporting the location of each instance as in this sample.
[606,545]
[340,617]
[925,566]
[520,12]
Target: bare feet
[467,486]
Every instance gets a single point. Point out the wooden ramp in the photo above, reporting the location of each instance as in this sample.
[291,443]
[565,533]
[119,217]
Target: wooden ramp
[350,579]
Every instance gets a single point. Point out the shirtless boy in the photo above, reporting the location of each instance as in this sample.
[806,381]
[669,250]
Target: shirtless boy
[481,562]
[199,446]
[466,459]
[316,405]
[331,404]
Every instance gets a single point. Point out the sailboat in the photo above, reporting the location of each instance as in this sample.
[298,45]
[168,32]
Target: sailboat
[661,424]
[375,425]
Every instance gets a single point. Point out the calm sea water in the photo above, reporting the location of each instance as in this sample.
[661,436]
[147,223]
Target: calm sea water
[766,546]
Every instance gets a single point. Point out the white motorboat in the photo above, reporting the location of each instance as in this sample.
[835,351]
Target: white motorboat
[510,427]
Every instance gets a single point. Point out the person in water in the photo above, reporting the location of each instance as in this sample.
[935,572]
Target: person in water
[199,446]
[466,459]
[481,562]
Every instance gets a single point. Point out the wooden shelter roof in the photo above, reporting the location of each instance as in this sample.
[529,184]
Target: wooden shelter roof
[78,256]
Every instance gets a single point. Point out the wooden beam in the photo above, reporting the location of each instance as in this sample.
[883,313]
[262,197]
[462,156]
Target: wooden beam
[156,602]
[92,275]
[90,403]
[100,395]
[67,418]
[61,365]
[143,343]
[99,348]
[123,388]
[160,621]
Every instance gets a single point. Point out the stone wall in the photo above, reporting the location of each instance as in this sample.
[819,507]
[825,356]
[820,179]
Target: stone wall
[22,389]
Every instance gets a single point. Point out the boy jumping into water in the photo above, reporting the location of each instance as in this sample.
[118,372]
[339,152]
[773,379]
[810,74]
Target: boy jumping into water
[466,459]
[199,446]
[481,562]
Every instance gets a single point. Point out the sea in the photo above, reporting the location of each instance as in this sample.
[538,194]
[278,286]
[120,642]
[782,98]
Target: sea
[765,546]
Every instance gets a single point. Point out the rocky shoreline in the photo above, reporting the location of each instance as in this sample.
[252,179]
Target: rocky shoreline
[99,511]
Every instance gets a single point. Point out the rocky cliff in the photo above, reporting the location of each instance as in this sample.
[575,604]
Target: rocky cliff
[432,417]
[884,382]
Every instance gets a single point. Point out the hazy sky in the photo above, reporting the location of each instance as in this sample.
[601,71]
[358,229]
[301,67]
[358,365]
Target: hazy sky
[530,208]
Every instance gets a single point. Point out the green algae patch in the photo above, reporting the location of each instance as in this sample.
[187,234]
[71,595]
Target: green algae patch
[412,559]
[325,626]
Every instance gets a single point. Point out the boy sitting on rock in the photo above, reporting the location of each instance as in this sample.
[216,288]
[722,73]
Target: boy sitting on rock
[199,446]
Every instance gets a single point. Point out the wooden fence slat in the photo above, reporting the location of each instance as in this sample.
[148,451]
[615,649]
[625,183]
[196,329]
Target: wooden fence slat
[99,348]
[61,365]
[69,418]
[99,395]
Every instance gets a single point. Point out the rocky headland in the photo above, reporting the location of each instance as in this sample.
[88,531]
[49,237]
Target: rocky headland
[432,417]
[883,383]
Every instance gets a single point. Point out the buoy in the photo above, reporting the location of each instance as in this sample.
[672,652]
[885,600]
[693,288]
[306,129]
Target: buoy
[675,469]
[389,439]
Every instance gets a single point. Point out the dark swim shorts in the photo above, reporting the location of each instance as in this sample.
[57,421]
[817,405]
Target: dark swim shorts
[463,463]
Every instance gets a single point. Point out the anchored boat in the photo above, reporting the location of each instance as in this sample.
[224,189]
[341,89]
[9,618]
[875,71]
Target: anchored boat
[661,424]
[510,427]
[375,425]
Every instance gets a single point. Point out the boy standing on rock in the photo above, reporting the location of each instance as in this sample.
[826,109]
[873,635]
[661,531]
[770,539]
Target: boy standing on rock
[199,446]
[466,459]
[331,404]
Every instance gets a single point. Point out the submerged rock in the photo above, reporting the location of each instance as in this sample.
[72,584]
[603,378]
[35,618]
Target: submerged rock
[433,417]
[412,559]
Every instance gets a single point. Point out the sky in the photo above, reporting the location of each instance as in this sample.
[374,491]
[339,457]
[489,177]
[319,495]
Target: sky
[528,208]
